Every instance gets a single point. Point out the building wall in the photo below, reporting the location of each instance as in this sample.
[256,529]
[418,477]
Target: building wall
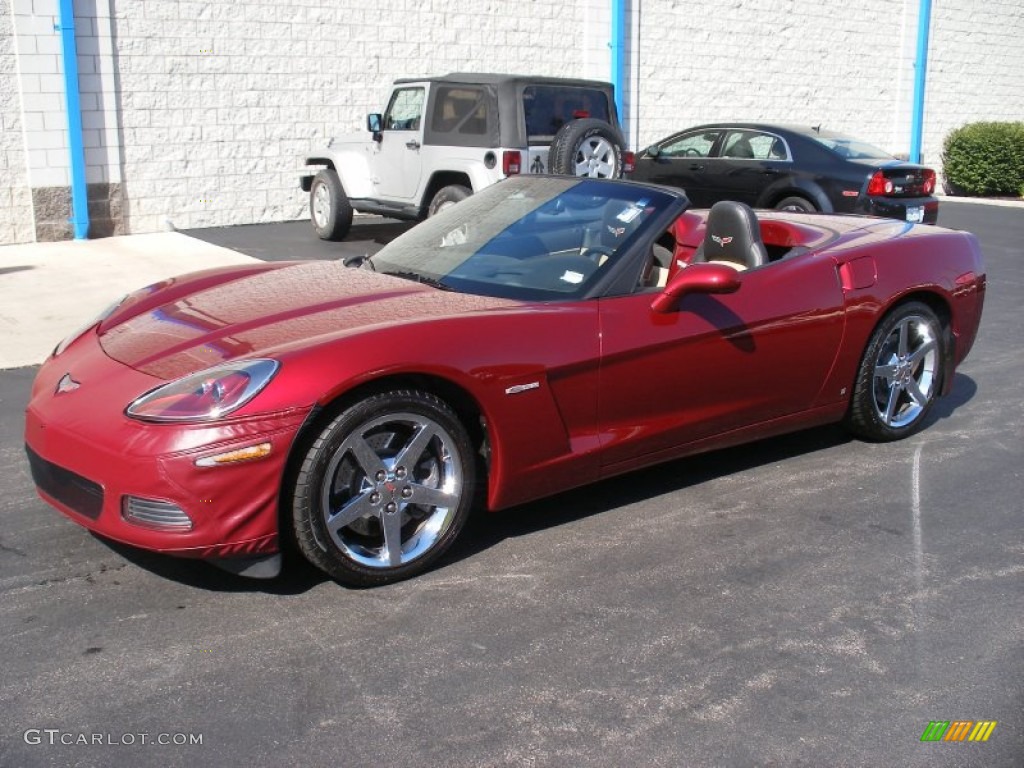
[16,219]
[975,68]
[778,60]
[198,113]
[219,101]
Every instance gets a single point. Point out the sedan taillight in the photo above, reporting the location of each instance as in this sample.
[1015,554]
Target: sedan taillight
[929,181]
[879,185]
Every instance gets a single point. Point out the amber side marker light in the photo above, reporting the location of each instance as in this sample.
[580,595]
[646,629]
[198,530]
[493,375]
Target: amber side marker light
[237,456]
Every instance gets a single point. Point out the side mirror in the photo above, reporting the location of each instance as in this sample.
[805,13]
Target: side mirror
[696,278]
[374,124]
[653,151]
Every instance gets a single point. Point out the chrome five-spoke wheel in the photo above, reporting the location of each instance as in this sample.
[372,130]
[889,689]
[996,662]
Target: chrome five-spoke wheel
[385,489]
[905,372]
[900,374]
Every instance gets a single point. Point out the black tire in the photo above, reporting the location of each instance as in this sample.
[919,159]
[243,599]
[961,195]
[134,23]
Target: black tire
[796,203]
[447,196]
[329,209]
[899,376]
[587,147]
[356,488]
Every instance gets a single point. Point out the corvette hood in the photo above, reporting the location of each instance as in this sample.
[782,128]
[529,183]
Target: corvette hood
[269,312]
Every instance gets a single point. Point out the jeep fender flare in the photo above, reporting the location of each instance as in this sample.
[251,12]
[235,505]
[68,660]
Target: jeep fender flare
[350,165]
[467,173]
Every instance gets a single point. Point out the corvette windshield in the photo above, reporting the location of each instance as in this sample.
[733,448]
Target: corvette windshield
[531,238]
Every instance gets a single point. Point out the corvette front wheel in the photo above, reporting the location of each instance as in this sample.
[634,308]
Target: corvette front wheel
[899,376]
[385,488]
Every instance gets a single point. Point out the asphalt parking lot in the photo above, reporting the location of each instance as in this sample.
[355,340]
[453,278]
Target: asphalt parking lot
[804,601]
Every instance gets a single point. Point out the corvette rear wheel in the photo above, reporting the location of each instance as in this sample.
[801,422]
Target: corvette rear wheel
[899,375]
[385,489]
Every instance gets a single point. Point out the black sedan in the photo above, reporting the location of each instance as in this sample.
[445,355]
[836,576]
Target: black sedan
[789,167]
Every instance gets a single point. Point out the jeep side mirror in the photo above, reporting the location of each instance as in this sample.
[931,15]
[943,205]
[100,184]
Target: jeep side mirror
[374,124]
[696,278]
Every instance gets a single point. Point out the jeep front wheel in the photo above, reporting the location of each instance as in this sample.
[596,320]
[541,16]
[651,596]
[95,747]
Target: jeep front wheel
[587,147]
[329,208]
[447,197]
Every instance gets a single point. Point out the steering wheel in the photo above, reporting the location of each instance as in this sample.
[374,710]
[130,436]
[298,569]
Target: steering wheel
[691,152]
[561,272]
[598,254]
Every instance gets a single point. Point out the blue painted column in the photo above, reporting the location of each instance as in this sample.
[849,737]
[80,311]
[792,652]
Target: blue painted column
[619,55]
[76,150]
[924,22]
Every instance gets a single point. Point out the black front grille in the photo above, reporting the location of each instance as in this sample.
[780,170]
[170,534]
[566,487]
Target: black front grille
[74,491]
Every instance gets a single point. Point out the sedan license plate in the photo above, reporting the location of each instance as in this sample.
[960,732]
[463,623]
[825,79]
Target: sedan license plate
[915,213]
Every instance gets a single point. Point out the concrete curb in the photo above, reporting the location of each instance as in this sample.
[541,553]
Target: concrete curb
[1001,202]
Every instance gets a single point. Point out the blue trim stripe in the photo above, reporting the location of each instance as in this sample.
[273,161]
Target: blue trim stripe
[619,56]
[76,149]
[924,22]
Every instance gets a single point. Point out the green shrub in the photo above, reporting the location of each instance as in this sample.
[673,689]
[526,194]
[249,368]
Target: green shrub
[985,159]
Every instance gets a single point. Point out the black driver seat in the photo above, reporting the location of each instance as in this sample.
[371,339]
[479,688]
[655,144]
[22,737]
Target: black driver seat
[733,237]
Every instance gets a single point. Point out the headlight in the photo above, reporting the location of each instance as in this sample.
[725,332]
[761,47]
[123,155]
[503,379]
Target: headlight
[71,338]
[206,395]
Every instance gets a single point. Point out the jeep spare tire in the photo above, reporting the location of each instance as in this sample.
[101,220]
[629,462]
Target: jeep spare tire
[587,147]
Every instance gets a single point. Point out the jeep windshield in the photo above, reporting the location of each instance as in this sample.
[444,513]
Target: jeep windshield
[528,238]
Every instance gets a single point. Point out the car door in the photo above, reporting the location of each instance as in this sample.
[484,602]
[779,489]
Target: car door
[716,363]
[681,161]
[397,161]
[748,162]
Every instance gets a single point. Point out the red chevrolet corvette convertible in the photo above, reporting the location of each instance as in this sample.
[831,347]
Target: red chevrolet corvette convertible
[543,334]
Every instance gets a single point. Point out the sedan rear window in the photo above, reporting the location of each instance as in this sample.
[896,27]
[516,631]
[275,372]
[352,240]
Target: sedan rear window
[850,148]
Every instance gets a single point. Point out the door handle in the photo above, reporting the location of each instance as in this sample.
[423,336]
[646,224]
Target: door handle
[771,172]
[412,144]
[696,167]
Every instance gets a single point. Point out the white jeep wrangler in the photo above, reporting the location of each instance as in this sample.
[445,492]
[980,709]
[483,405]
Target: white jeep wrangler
[443,138]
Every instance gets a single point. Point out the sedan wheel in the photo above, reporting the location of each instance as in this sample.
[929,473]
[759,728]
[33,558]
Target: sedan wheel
[899,376]
[795,204]
[385,489]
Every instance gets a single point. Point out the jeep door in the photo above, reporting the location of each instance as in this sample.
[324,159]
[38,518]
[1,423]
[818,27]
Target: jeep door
[397,162]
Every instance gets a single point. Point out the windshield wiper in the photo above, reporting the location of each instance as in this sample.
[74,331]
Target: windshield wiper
[417,277]
[355,262]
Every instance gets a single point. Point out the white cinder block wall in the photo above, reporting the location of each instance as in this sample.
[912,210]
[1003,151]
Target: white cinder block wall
[16,218]
[220,100]
[198,113]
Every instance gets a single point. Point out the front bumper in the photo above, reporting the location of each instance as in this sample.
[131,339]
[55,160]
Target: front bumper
[87,458]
